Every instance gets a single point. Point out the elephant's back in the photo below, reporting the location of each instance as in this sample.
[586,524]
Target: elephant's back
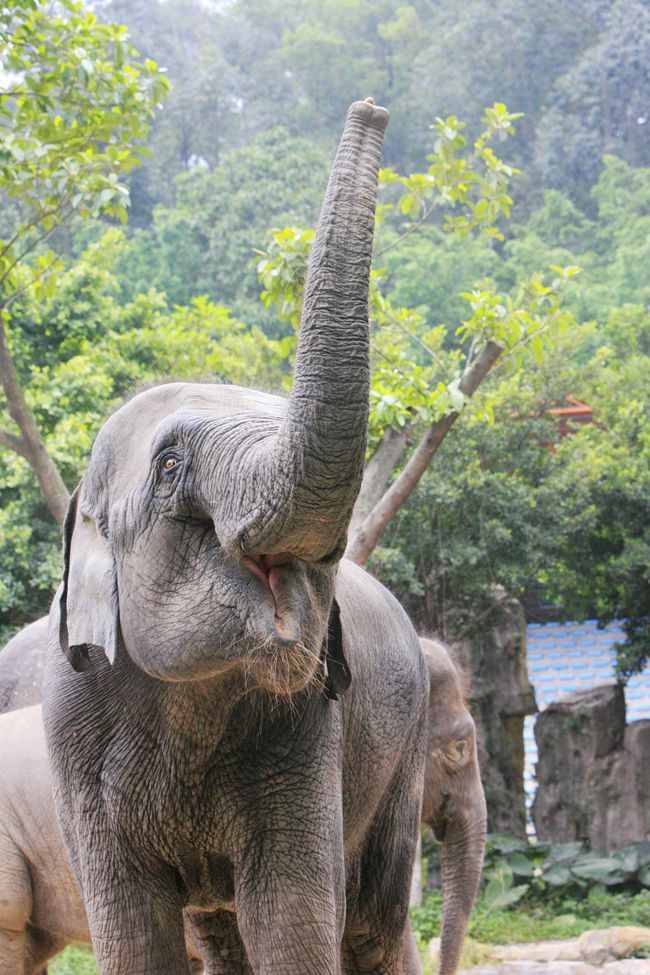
[385,708]
[22,662]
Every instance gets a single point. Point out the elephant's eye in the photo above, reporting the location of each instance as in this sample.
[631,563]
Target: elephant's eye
[170,464]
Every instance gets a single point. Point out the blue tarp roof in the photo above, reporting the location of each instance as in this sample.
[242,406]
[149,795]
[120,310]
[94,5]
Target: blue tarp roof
[567,657]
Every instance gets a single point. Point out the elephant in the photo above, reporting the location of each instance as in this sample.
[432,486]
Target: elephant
[454,802]
[22,665]
[41,910]
[235,715]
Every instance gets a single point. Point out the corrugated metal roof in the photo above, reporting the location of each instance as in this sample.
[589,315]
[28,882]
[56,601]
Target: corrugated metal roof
[567,657]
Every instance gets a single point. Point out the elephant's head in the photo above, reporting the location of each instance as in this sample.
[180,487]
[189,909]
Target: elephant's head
[206,531]
[454,802]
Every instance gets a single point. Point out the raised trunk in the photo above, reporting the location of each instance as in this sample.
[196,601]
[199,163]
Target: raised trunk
[462,861]
[318,458]
[30,444]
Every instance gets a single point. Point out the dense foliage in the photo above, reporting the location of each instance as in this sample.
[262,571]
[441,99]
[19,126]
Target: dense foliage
[552,918]
[241,150]
[542,891]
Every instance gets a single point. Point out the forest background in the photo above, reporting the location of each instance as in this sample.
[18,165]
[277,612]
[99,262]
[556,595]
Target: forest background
[205,281]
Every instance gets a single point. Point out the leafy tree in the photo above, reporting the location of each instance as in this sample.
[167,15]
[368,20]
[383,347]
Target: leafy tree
[515,505]
[206,243]
[507,50]
[202,117]
[600,105]
[74,107]
[419,388]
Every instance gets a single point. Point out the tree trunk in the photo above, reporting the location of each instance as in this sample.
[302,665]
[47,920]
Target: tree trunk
[30,444]
[376,475]
[370,532]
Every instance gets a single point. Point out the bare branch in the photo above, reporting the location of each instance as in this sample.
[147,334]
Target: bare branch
[377,473]
[46,472]
[368,536]
[37,277]
[12,442]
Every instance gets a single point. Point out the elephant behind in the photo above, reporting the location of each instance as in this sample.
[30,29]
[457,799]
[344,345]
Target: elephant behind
[454,801]
[41,911]
[22,666]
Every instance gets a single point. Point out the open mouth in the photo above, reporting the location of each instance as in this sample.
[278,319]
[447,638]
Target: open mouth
[272,571]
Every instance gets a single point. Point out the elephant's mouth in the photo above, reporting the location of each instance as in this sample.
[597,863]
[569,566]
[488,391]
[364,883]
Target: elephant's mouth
[273,571]
[281,662]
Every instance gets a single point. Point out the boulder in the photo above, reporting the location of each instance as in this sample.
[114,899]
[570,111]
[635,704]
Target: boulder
[534,968]
[539,951]
[598,947]
[633,966]
[592,771]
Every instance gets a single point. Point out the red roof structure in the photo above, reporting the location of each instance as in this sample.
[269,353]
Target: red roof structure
[575,412]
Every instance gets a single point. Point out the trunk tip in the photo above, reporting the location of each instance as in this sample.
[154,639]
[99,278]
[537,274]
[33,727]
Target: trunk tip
[370,113]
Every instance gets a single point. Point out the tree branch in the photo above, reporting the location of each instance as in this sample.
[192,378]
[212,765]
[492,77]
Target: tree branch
[378,470]
[373,527]
[37,277]
[35,452]
[12,442]
[30,247]
[407,233]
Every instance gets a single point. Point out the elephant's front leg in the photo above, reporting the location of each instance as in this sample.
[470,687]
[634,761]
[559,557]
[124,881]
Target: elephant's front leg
[135,919]
[291,902]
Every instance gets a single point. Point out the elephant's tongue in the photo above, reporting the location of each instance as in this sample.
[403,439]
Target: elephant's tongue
[285,620]
[271,570]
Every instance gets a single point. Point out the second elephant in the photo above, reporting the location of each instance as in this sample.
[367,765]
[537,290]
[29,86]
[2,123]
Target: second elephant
[454,801]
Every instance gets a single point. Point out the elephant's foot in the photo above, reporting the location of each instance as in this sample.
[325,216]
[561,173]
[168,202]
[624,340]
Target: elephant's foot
[365,954]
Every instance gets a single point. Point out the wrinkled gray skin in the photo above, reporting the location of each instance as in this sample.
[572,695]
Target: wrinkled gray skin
[41,911]
[201,754]
[31,846]
[454,802]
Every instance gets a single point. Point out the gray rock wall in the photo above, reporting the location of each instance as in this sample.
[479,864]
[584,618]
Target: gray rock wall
[593,771]
[501,696]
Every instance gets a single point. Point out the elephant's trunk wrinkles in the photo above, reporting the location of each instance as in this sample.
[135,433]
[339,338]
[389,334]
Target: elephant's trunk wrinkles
[462,861]
[317,459]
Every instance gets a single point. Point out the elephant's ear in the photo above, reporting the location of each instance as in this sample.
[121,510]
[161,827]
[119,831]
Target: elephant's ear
[337,673]
[89,605]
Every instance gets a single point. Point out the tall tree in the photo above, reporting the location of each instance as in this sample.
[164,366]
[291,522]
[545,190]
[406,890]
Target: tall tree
[600,104]
[75,105]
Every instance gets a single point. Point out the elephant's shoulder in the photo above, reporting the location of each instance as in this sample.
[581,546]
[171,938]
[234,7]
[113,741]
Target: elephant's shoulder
[377,633]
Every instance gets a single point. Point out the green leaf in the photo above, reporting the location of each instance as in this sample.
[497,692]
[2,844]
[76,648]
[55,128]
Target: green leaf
[603,870]
[557,876]
[520,865]
[563,852]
